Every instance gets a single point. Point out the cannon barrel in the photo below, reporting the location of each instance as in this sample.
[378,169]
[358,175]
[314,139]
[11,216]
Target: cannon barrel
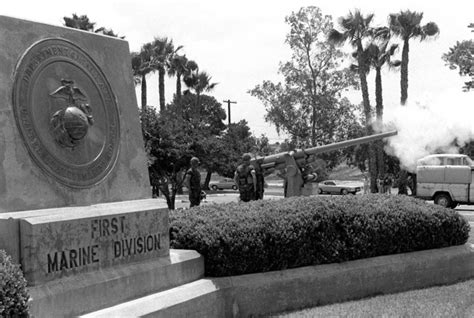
[274,161]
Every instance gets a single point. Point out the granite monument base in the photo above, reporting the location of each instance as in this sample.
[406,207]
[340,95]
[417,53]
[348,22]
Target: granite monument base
[78,259]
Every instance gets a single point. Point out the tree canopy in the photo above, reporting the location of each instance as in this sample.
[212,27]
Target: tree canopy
[461,57]
[308,105]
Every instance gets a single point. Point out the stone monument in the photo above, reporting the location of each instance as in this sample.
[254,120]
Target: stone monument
[75,200]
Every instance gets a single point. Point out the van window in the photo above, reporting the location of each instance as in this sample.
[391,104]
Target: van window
[453,161]
[442,160]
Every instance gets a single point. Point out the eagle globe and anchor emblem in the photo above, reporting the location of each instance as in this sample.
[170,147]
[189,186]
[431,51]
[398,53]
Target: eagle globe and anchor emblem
[70,124]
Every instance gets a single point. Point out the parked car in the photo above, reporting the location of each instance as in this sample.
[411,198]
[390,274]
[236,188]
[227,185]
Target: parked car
[337,187]
[226,183]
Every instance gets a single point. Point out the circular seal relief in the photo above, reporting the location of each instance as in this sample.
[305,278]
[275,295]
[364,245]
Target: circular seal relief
[66,113]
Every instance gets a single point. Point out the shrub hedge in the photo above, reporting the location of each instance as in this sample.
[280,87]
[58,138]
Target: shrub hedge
[13,293]
[259,236]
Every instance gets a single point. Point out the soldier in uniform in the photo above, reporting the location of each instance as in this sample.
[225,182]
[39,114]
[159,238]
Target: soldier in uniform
[246,179]
[193,182]
[260,177]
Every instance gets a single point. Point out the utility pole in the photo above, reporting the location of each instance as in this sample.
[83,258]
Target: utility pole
[228,107]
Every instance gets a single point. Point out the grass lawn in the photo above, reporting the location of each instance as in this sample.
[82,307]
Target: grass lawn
[446,301]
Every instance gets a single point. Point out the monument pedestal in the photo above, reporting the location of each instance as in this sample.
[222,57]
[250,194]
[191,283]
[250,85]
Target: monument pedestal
[80,259]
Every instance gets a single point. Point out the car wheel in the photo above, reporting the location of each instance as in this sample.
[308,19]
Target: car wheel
[214,187]
[234,187]
[320,191]
[344,191]
[443,199]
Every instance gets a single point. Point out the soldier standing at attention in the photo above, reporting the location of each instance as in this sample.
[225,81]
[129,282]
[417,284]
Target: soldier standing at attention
[246,179]
[193,182]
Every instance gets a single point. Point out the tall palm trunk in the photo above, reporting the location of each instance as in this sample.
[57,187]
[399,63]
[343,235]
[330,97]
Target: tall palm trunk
[313,128]
[144,91]
[178,87]
[368,115]
[404,73]
[379,118]
[207,179]
[198,102]
[161,88]
[403,176]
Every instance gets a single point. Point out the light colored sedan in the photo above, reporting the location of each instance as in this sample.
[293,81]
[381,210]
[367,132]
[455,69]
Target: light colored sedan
[225,183]
[337,187]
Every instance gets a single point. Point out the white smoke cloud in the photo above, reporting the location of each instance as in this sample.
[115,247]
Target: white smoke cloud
[429,126]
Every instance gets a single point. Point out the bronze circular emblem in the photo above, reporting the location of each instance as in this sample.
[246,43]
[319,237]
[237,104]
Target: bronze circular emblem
[66,113]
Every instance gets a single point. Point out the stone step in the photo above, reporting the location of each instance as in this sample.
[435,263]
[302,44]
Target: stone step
[104,288]
[264,294]
[202,298]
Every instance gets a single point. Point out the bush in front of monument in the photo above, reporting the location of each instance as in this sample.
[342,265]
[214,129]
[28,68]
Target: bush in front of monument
[269,235]
[13,292]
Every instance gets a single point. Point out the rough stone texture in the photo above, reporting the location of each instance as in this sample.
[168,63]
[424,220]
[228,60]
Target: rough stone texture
[23,184]
[263,294]
[87,292]
[75,240]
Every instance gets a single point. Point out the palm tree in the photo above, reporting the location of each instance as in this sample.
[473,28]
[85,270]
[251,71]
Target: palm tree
[380,54]
[83,23]
[141,66]
[355,28]
[163,51]
[178,68]
[108,32]
[406,25]
[79,22]
[199,82]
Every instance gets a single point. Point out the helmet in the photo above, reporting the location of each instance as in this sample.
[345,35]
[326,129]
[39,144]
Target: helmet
[194,160]
[246,157]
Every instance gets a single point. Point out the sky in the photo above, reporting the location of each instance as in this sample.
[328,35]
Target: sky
[241,43]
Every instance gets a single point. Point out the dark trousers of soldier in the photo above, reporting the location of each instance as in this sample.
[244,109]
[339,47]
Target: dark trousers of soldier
[247,193]
[259,194]
[194,197]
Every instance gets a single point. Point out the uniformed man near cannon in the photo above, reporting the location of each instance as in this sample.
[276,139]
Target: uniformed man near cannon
[193,182]
[246,179]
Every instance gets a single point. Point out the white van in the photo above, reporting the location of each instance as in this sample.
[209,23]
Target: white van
[447,179]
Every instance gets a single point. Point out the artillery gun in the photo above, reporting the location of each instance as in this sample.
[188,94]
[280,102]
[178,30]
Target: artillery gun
[292,163]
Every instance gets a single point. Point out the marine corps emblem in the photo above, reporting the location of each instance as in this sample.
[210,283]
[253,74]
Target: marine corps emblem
[70,125]
[66,113]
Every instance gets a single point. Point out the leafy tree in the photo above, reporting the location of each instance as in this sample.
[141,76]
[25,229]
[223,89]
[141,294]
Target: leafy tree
[461,57]
[168,146]
[262,146]
[355,29]
[236,141]
[305,105]
[163,53]
[204,125]
[407,25]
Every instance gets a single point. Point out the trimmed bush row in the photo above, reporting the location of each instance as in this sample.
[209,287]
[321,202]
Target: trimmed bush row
[13,293]
[260,236]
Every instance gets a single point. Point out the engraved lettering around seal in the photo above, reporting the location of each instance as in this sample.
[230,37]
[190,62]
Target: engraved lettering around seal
[66,113]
